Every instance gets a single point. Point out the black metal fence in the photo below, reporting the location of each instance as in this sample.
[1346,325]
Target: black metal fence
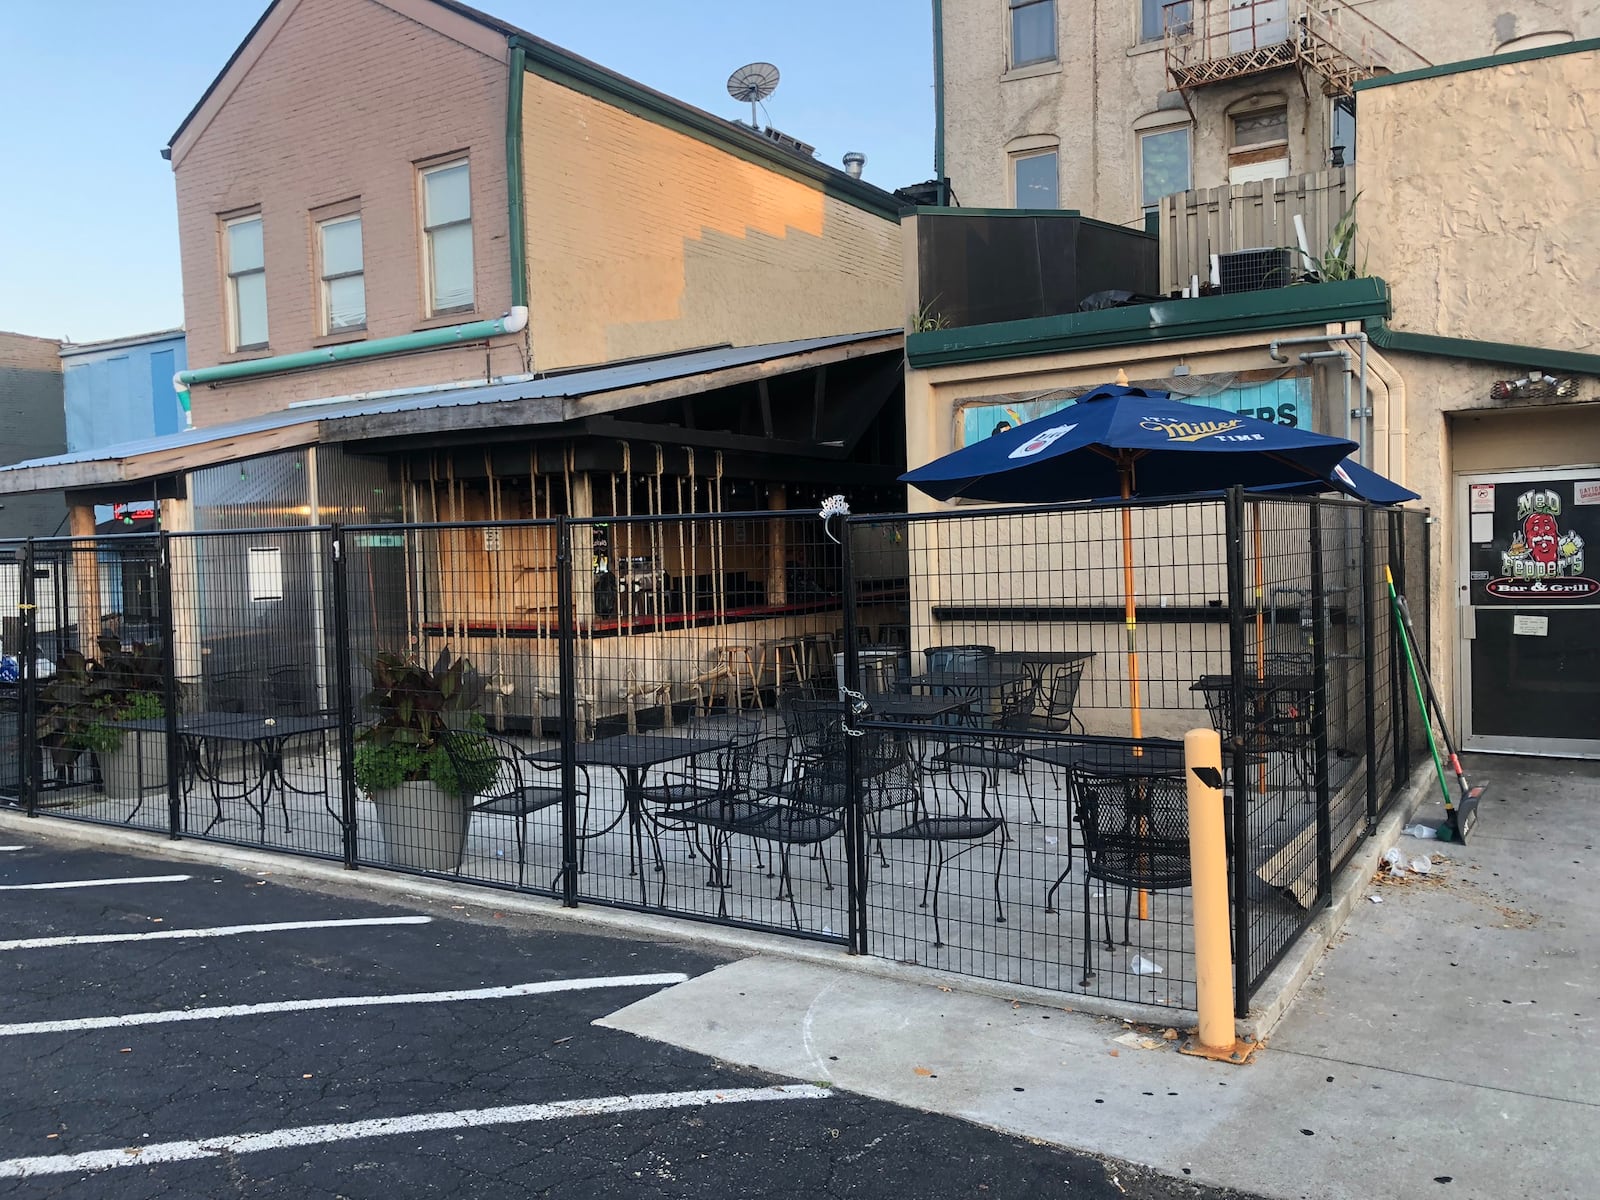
[944,738]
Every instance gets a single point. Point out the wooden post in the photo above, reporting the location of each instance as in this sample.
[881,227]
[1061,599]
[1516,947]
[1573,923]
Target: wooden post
[85,598]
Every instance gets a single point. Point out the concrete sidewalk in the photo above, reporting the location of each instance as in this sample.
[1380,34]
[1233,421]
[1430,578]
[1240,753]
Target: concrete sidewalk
[1443,1046]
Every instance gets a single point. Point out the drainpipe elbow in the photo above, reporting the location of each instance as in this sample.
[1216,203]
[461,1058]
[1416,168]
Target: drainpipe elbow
[517,318]
[1275,354]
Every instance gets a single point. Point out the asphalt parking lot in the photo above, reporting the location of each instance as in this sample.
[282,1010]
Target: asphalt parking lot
[176,1029]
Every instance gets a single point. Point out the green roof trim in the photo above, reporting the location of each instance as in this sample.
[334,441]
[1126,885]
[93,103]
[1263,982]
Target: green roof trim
[581,75]
[1164,321]
[1502,353]
[1479,64]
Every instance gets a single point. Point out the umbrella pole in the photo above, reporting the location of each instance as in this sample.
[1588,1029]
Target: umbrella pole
[1131,620]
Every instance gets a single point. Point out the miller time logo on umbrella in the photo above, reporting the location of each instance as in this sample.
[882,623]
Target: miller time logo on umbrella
[1194,431]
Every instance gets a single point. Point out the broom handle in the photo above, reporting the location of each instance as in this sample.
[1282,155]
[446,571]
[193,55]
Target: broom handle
[1416,682]
[1433,693]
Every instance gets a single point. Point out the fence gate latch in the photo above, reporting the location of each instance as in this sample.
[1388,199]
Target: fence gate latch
[856,708]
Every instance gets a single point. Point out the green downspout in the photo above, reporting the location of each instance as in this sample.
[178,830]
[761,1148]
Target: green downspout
[519,227]
[473,331]
[938,101]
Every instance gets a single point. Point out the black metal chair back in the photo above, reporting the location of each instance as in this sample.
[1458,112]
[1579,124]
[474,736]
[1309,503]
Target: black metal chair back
[945,659]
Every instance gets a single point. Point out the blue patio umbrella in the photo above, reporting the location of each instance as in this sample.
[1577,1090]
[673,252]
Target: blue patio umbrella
[1125,442]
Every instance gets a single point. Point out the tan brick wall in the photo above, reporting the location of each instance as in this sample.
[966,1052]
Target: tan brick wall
[643,240]
[339,98]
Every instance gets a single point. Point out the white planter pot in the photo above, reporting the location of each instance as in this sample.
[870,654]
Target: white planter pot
[424,826]
[137,768]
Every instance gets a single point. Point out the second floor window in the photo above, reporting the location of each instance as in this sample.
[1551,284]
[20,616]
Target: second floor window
[1163,165]
[247,282]
[344,284]
[447,232]
[1033,32]
[1157,16]
[1034,176]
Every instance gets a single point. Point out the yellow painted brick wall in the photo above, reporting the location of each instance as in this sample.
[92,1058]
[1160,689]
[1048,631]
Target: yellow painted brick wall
[643,240]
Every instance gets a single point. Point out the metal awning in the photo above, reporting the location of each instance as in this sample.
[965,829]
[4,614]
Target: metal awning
[454,408]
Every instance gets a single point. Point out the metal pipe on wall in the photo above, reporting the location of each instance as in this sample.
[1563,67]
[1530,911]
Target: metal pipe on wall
[1361,340]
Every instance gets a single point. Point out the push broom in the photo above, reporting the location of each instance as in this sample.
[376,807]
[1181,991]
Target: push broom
[1460,812]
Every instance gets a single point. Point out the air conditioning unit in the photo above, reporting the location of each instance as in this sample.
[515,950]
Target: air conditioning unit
[1254,270]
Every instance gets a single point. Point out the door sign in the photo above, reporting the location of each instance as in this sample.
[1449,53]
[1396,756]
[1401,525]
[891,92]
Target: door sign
[1536,555]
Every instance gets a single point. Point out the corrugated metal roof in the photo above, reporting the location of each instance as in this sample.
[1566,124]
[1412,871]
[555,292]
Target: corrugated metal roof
[573,386]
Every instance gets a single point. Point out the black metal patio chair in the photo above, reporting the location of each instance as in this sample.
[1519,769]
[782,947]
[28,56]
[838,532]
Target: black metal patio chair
[518,787]
[1136,835]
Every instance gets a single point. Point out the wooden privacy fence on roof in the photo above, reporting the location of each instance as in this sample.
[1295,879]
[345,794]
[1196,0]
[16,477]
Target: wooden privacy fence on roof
[1249,216]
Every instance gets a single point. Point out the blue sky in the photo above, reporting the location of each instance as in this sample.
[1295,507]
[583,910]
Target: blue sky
[91,91]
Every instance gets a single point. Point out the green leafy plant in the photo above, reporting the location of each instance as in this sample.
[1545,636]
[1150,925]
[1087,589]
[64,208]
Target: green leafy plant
[1337,261]
[84,698]
[414,705]
[926,320]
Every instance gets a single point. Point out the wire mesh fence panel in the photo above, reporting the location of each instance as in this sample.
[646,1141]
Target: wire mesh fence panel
[257,721]
[1344,658]
[1281,730]
[698,640]
[90,671]
[1037,841]
[451,650]
[1385,777]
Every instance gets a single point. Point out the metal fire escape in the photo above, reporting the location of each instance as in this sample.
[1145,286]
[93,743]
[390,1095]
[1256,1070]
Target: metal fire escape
[1216,41]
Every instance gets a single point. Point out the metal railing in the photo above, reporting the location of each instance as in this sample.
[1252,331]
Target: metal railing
[646,713]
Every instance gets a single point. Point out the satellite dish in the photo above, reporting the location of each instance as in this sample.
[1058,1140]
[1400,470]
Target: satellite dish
[753,83]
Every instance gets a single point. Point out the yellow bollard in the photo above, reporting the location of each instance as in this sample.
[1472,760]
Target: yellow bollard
[1208,865]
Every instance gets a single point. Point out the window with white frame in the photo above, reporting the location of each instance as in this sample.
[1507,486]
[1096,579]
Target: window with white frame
[1035,180]
[1158,16]
[344,282]
[1033,32]
[447,236]
[1164,165]
[1259,144]
[247,282]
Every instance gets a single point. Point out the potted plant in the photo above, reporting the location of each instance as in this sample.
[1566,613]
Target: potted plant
[401,765]
[81,706]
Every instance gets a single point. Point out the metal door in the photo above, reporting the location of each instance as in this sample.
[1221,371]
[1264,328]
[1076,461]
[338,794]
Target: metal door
[1255,23]
[1529,600]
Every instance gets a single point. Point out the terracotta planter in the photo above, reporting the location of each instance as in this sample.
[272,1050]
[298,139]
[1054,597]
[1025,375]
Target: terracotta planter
[424,826]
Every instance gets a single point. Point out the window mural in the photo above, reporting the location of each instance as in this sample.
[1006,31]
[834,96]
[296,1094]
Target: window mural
[1283,401]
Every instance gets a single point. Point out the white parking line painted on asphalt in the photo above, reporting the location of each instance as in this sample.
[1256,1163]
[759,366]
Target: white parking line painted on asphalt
[89,883]
[95,939]
[664,979]
[315,1135]
[5,849]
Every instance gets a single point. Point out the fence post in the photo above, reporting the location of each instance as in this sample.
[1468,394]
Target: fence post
[568,671]
[1399,724]
[1369,654]
[169,687]
[28,721]
[1319,701]
[855,825]
[1234,524]
[344,697]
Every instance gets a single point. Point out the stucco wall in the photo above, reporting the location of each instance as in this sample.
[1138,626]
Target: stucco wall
[643,240]
[1479,201]
[1106,79]
[338,99]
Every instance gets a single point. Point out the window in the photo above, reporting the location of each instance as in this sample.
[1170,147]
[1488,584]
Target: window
[1163,165]
[1259,128]
[1342,131]
[1156,16]
[1033,32]
[344,285]
[1035,178]
[247,282]
[447,232]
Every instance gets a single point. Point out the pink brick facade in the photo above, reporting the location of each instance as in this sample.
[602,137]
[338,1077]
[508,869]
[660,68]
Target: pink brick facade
[339,100]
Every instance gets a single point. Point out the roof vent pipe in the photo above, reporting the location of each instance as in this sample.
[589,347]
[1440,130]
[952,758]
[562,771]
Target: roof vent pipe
[854,161]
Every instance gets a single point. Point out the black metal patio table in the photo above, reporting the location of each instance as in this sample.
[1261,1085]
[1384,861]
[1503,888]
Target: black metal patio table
[1036,662]
[1130,760]
[631,755]
[265,735]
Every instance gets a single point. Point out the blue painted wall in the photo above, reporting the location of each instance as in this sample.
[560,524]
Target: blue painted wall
[121,391]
